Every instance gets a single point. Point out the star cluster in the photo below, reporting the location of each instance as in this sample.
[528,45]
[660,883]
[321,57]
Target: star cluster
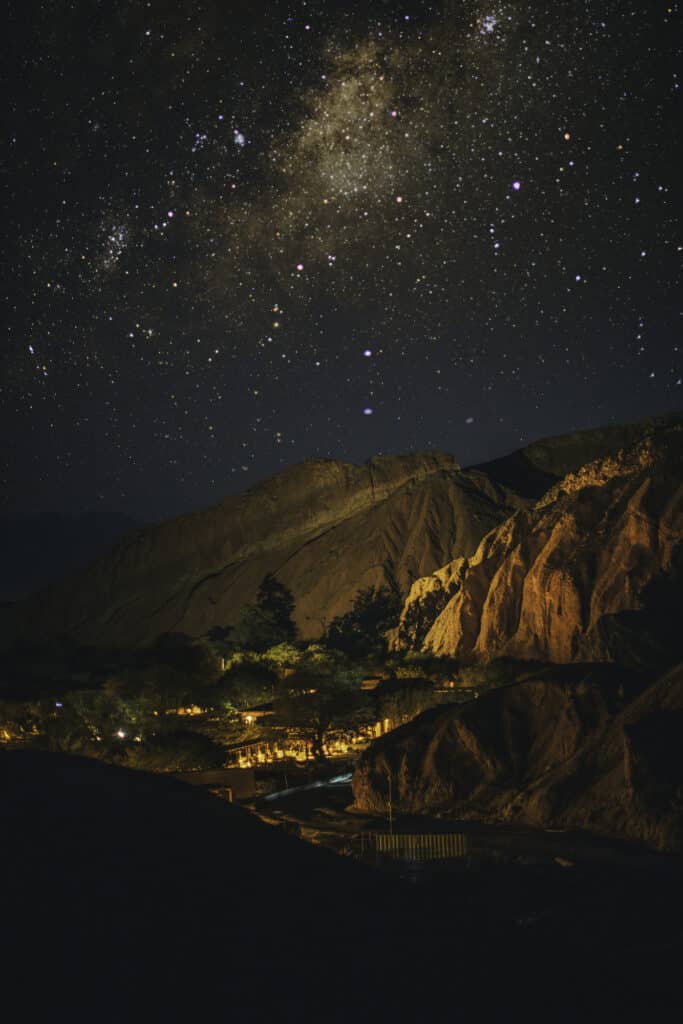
[243,234]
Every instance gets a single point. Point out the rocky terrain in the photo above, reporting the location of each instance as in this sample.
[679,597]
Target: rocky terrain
[574,752]
[492,573]
[582,575]
[326,529]
[592,572]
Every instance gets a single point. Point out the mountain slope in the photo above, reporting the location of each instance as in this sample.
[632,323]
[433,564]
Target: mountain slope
[546,752]
[326,528]
[561,581]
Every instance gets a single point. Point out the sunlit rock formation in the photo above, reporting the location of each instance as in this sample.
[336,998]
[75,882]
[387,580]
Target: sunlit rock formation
[558,581]
[542,584]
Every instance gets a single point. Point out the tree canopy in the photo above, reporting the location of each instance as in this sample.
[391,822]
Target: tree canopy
[361,631]
[268,622]
[323,693]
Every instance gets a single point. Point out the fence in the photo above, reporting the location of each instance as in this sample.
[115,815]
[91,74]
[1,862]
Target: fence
[417,848]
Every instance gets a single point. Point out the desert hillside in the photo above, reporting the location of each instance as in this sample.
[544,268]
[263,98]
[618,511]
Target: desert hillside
[590,572]
[567,751]
[327,529]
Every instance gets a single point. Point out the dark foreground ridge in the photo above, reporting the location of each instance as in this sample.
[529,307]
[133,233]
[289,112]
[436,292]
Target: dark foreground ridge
[133,897]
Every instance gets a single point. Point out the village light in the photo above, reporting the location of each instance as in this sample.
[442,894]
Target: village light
[121,734]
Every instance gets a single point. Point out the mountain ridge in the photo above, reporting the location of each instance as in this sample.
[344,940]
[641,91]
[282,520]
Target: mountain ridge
[326,527]
[197,570]
[549,582]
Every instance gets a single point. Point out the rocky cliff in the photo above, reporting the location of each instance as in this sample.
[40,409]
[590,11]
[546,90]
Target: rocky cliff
[546,752]
[542,583]
[561,581]
[532,470]
[325,528]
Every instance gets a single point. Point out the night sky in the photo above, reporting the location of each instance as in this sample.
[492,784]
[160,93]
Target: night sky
[243,234]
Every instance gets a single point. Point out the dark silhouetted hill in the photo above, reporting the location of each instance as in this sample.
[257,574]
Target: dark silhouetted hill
[130,897]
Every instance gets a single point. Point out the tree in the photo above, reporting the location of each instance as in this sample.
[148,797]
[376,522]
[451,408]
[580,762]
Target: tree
[246,683]
[220,635]
[219,641]
[323,693]
[275,599]
[179,671]
[176,750]
[82,722]
[283,656]
[361,631]
[268,622]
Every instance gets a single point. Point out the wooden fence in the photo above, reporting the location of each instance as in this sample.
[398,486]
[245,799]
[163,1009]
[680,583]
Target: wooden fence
[417,848]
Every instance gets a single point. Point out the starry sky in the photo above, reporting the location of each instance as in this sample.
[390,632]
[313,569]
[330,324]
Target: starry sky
[241,234]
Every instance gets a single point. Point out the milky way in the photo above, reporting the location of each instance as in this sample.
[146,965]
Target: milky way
[243,235]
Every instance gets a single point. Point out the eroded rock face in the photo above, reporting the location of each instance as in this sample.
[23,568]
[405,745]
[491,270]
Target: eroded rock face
[426,599]
[553,582]
[459,757]
[543,753]
[326,529]
[548,583]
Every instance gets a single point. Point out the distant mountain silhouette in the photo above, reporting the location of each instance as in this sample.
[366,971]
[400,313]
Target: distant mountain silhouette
[35,552]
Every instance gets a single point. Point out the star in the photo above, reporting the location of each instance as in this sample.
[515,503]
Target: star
[221,254]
